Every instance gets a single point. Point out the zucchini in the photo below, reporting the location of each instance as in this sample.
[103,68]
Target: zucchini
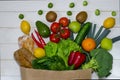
[83,32]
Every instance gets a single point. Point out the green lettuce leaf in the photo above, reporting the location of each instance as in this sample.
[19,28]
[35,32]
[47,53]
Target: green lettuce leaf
[62,49]
[51,49]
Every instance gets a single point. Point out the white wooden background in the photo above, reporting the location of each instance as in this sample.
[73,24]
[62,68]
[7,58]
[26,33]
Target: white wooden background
[10,31]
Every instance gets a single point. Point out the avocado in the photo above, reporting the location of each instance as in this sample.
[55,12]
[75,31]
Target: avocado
[43,29]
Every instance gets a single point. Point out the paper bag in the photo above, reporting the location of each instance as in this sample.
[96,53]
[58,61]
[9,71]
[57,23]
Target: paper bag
[37,74]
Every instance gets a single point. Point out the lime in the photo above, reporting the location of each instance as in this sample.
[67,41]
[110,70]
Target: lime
[21,16]
[39,52]
[40,12]
[69,13]
[113,13]
[85,3]
[71,5]
[97,12]
[25,27]
[106,43]
[50,5]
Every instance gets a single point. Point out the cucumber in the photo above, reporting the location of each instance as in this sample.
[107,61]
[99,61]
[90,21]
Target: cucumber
[43,29]
[83,32]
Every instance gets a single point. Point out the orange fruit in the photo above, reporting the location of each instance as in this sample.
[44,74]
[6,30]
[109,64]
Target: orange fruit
[88,44]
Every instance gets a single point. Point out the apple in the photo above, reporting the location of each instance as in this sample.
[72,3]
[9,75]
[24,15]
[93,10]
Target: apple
[106,43]
[74,26]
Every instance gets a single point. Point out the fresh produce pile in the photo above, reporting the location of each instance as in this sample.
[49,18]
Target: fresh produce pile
[65,51]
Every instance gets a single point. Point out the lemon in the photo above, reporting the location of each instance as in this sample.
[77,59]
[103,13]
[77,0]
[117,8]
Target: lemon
[109,22]
[25,27]
[39,52]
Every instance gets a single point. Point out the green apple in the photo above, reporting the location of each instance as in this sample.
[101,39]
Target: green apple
[106,43]
[74,26]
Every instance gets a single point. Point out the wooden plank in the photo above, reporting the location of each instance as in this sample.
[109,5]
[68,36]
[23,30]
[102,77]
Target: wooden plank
[7,51]
[7,33]
[9,68]
[10,31]
[10,77]
[16,32]
[12,20]
[107,5]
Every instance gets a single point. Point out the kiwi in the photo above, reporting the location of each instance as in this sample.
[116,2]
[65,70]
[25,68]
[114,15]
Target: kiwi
[51,16]
[81,16]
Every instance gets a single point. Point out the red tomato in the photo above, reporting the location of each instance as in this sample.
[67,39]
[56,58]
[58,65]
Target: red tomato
[65,33]
[54,38]
[55,27]
[64,21]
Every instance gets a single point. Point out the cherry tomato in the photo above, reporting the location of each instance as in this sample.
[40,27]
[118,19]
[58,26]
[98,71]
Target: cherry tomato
[64,21]
[54,37]
[55,27]
[65,33]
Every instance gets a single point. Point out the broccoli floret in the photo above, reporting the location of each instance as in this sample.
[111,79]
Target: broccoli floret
[92,64]
[101,62]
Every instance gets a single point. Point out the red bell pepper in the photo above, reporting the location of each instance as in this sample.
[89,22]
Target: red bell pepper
[76,59]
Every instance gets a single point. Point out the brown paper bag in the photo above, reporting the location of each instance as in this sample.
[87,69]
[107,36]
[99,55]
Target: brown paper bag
[37,74]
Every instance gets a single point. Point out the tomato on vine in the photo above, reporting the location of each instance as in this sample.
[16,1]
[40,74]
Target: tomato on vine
[64,21]
[55,27]
[64,33]
[54,37]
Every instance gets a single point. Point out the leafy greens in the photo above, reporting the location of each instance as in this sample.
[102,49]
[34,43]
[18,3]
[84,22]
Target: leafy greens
[61,49]
[49,63]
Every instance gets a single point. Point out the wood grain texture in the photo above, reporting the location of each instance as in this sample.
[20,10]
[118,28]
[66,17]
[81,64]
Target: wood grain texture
[10,27]
[59,5]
